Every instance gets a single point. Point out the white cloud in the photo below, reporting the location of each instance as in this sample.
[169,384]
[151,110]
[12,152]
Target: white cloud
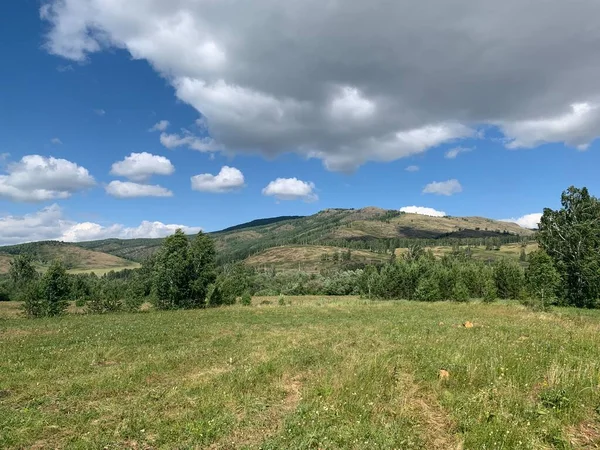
[127,189]
[423,211]
[291,189]
[100,112]
[56,141]
[141,166]
[160,126]
[38,178]
[356,87]
[449,187]
[412,169]
[227,180]
[172,141]
[50,224]
[530,221]
[454,152]
[577,128]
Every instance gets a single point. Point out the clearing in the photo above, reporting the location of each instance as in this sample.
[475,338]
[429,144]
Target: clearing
[322,372]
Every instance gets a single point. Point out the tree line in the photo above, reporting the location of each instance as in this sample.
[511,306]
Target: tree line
[184,274]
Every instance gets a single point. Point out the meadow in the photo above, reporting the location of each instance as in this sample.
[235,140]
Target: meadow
[303,372]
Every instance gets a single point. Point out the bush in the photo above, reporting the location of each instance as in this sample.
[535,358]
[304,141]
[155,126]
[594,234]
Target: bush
[460,292]
[246,299]
[33,300]
[214,296]
[281,300]
[489,292]
[428,290]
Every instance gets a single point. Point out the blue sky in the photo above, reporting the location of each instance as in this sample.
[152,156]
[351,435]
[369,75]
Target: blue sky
[89,95]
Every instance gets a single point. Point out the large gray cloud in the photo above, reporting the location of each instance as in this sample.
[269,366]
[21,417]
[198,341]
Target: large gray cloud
[358,80]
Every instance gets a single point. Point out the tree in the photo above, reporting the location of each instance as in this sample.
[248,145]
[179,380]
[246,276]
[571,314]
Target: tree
[55,289]
[571,237]
[203,259]
[509,279]
[541,277]
[22,272]
[173,273]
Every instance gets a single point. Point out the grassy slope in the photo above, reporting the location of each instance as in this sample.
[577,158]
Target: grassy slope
[76,259]
[508,251]
[319,229]
[307,258]
[322,373]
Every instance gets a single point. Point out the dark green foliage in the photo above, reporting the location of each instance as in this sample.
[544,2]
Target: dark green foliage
[571,237]
[55,288]
[214,296]
[246,299]
[428,290]
[489,292]
[34,304]
[281,300]
[5,291]
[509,279]
[203,257]
[460,292]
[173,274]
[542,279]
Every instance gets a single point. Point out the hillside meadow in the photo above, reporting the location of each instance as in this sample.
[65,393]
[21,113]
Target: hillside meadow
[303,372]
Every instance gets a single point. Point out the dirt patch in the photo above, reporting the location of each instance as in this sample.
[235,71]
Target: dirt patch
[585,436]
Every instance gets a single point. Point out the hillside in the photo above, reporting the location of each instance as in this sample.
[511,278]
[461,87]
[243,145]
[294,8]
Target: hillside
[311,258]
[369,229]
[75,258]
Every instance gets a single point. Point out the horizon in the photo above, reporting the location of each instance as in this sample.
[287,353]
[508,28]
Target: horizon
[133,122]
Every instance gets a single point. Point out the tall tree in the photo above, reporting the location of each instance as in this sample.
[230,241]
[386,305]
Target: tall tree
[541,277]
[173,273]
[571,237]
[21,271]
[203,258]
[55,288]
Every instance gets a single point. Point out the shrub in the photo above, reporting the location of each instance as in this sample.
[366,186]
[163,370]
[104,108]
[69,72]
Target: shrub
[33,301]
[214,296]
[428,290]
[281,300]
[460,292]
[489,292]
[246,299]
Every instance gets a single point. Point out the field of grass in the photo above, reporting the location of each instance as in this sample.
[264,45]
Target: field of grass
[326,373]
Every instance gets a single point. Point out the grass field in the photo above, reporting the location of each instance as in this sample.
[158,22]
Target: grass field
[320,373]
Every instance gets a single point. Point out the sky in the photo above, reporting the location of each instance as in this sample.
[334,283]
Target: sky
[132,119]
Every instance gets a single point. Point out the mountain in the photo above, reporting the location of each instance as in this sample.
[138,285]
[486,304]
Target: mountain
[373,230]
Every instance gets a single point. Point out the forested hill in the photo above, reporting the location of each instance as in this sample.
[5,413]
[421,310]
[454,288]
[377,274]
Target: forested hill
[367,228]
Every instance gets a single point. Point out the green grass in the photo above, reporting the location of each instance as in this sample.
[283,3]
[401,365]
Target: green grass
[319,373]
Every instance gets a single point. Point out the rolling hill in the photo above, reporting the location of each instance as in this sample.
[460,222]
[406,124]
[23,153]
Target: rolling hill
[372,231]
[76,259]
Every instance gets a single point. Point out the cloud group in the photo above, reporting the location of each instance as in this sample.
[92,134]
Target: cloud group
[50,224]
[372,81]
[37,178]
[128,189]
[141,166]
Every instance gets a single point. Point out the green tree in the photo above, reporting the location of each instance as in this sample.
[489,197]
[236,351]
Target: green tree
[541,277]
[173,273]
[22,272]
[489,291]
[509,279]
[246,299]
[571,237]
[428,289]
[55,289]
[460,292]
[203,259]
